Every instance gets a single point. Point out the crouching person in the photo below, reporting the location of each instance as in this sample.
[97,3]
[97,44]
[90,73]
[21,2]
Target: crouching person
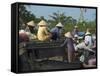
[70,47]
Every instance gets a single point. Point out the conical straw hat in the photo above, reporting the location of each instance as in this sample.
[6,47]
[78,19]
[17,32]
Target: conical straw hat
[87,33]
[68,34]
[59,24]
[31,23]
[42,22]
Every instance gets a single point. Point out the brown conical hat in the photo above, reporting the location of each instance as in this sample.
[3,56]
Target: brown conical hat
[31,23]
[42,22]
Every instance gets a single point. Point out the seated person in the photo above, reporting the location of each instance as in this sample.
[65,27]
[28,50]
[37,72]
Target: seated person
[56,31]
[43,34]
[30,29]
[32,26]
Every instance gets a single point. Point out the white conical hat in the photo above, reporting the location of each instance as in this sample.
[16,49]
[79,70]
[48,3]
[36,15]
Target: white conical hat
[31,23]
[68,34]
[59,24]
[87,33]
[42,22]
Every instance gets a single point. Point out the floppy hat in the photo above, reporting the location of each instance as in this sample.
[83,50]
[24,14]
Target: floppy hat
[31,23]
[68,34]
[59,24]
[42,22]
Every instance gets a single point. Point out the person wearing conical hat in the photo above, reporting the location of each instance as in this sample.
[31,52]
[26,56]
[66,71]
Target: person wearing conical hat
[31,25]
[70,47]
[42,23]
[56,31]
[43,34]
[30,30]
[88,38]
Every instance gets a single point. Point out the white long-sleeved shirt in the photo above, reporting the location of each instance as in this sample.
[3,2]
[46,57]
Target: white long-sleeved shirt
[82,46]
[88,41]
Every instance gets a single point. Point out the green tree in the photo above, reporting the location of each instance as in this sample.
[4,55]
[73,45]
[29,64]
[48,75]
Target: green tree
[67,21]
[24,16]
[57,17]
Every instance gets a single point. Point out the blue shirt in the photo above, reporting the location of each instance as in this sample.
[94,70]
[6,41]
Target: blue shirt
[56,32]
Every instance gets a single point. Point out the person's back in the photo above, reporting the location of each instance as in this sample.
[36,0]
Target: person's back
[55,33]
[42,33]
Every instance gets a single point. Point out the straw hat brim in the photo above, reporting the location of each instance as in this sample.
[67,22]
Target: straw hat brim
[42,22]
[31,23]
[68,35]
[59,24]
[87,33]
